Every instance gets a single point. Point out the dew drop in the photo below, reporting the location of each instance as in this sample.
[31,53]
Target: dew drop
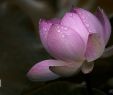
[91,30]
[58,30]
[63,36]
[87,25]
[83,20]
[71,15]
[58,27]
[79,13]
[83,17]
[65,28]
[45,29]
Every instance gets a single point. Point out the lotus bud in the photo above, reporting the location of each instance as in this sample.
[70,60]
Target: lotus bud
[75,41]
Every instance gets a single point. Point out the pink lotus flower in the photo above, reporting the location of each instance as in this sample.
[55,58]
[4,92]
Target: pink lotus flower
[75,41]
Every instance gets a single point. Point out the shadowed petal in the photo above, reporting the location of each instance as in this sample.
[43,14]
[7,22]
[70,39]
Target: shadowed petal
[41,71]
[105,22]
[95,47]
[65,44]
[67,70]
[108,52]
[87,67]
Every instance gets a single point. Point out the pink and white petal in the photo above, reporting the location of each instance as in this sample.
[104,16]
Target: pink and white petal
[68,70]
[87,67]
[90,21]
[41,71]
[95,48]
[44,26]
[105,22]
[74,22]
[65,43]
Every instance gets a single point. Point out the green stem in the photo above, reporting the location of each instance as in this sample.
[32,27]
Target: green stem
[88,84]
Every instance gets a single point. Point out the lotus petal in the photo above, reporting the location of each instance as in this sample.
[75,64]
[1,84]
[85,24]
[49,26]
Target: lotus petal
[95,48]
[65,43]
[44,26]
[105,22]
[90,21]
[41,71]
[68,70]
[74,22]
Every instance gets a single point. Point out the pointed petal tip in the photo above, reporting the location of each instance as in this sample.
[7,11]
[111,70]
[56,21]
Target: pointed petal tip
[41,71]
[104,20]
[87,67]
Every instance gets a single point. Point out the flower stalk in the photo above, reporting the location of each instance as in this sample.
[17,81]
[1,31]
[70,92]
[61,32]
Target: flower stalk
[88,84]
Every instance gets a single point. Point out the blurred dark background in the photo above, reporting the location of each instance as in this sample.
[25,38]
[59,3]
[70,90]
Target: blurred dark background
[20,46]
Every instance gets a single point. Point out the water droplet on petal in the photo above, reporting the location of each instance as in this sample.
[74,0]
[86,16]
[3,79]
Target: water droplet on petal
[45,29]
[65,28]
[63,36]
[58,30]
[83,17]
[87,25]
[71,15]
